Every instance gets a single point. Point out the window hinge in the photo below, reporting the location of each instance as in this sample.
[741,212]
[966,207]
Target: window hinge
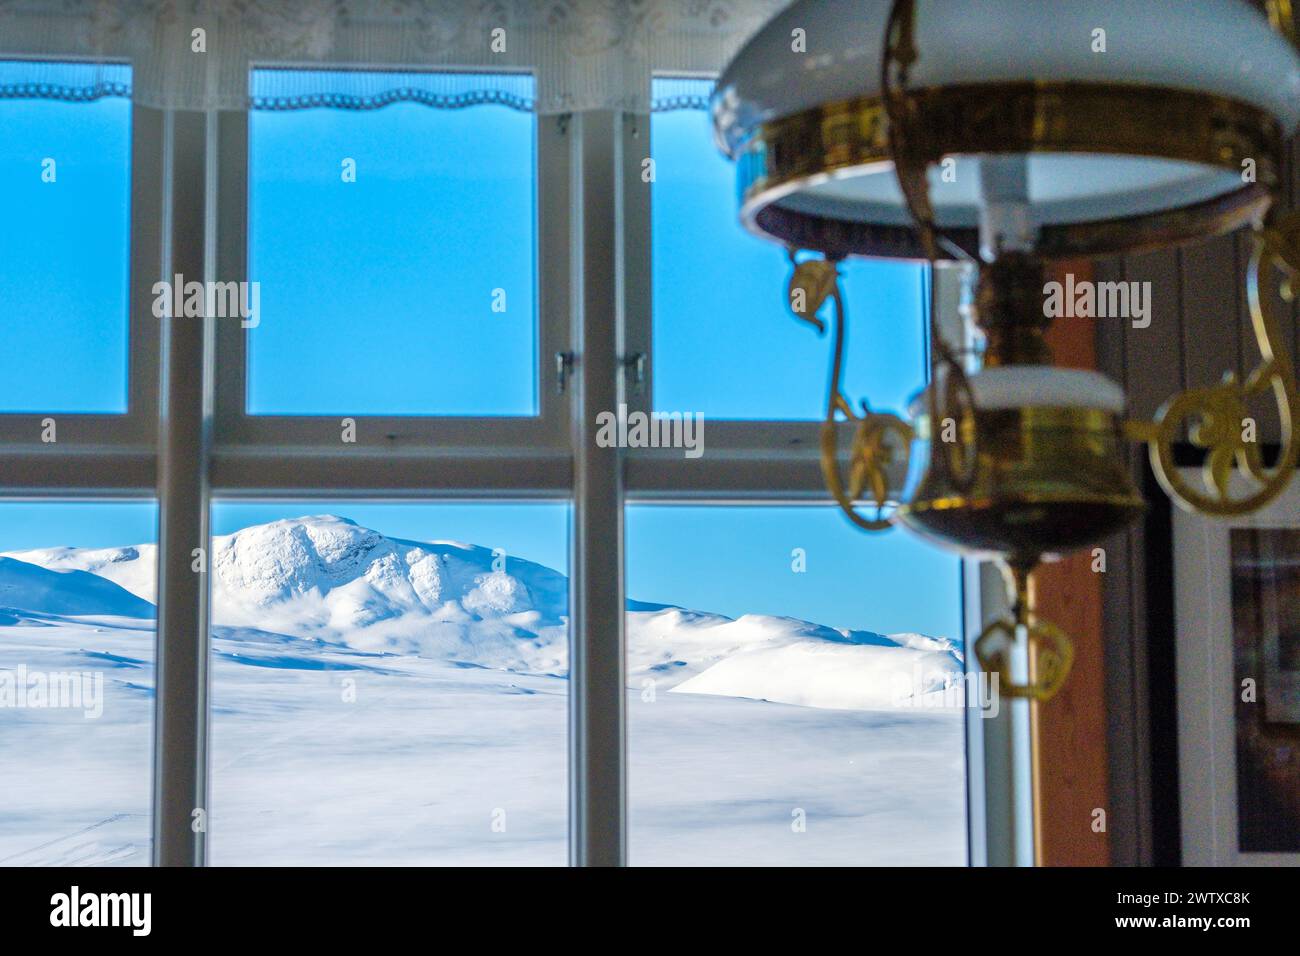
[563,368]
[634,368]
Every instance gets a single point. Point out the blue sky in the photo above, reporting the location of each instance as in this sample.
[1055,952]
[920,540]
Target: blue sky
[735,560]
[82,524]
[64,248]
[384,305]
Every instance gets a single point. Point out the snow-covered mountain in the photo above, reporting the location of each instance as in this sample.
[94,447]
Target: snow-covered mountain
[327,581]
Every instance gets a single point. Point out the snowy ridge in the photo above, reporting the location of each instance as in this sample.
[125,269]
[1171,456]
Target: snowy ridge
[26,587]
[130,568]
[788,661]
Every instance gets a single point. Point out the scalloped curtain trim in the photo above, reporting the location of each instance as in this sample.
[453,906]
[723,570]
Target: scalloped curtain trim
[693,94]
[67,82]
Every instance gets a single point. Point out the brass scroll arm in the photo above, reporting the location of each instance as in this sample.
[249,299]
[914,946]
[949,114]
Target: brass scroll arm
[1218,416]
[872,452]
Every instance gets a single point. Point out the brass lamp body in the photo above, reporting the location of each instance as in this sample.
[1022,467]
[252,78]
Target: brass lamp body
[1041,478]
[1047,480]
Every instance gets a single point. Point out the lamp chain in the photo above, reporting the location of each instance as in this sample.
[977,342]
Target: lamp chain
[947,376]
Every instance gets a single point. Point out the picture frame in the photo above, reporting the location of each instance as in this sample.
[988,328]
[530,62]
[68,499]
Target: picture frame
[1223,615]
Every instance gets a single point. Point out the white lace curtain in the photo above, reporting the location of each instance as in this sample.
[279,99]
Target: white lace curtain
[548,56]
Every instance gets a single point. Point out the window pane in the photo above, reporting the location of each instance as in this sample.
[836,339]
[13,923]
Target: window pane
[389,684]
[76,682]
[773,655]
[725,344]
[395,254]
[65,245]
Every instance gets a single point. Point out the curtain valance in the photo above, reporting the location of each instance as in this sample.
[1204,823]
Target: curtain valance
[549,56]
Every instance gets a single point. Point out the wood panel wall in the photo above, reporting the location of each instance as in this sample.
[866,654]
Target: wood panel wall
[1070,732]
[1200,328]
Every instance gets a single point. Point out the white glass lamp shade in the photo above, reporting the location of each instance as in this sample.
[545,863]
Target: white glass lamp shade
[1137,119]
[1037,386]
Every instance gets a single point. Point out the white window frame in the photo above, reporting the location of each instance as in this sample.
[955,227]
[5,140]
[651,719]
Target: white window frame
[416,435]
[189,215]
[119,444]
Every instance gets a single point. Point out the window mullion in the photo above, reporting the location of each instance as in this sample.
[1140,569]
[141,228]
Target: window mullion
[637,339]
[597,729]
[180,754]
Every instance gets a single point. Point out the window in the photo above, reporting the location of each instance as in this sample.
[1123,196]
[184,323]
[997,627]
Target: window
[76,682]
[389,684]
[65,246]
[380,693]
[787,678]
[724,342]
[394,253]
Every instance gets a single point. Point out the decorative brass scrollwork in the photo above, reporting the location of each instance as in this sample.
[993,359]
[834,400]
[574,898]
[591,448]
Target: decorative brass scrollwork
[871,453]
[814,281]
[1282,17]
[1217,415]
[1051,650]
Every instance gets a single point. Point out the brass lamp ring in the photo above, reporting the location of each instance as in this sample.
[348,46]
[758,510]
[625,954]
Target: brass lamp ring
[787,155]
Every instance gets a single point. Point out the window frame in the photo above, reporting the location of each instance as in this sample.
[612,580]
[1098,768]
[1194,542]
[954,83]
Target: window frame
[414,434]
[594,303]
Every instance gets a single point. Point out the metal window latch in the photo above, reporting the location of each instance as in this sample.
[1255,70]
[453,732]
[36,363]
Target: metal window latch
[634,368]
[563,368]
